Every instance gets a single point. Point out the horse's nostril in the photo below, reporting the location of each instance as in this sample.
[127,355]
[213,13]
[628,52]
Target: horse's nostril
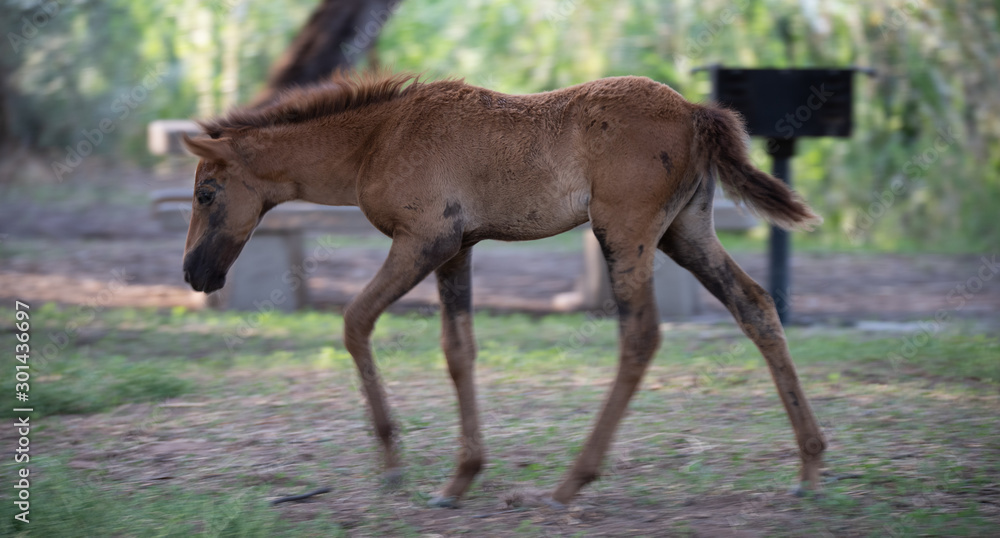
[187,276]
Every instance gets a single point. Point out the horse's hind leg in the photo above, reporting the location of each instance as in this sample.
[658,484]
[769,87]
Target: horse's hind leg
[455,288]
[410,260]
[692,243]
[628,236]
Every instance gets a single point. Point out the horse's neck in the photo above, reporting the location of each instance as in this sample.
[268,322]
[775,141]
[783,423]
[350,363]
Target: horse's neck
[328,185]
[321,162]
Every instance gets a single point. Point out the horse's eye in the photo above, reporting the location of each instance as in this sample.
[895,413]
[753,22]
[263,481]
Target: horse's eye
[205,197]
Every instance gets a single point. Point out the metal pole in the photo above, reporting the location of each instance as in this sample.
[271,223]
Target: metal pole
[780,246]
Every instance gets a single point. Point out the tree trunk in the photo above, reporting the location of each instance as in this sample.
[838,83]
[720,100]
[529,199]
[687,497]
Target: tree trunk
[338,35]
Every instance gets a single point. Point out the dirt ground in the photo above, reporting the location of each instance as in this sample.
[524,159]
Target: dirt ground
[69,250]
[282,441]
[162,451]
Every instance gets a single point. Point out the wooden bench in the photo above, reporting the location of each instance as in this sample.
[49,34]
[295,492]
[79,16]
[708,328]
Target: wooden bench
[272,269]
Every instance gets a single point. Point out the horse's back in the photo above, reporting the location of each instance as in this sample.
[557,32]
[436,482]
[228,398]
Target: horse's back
[527,166]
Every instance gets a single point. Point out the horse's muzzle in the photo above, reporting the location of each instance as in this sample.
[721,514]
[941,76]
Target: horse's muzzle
[201,276]
[205,281]
[206,265]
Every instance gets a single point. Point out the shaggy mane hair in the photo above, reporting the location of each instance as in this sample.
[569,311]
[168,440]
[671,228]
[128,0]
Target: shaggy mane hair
[342,92]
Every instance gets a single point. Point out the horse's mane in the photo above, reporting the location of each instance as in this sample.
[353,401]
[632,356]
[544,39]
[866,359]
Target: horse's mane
[342,92]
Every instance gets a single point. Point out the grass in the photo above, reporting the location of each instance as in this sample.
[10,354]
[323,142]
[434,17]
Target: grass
[754,240]
[162,423]
[90,386]
[95,510]
[831,242]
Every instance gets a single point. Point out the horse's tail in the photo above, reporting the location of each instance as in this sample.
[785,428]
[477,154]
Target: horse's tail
[720,147]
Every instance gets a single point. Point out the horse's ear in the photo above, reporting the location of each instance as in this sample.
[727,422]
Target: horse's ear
[210,149]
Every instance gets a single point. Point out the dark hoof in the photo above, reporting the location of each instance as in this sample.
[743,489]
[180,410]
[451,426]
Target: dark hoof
[392,479]
[553,504]
[805,489]
[443,502]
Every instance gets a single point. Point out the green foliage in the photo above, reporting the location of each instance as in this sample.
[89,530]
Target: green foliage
[921,171]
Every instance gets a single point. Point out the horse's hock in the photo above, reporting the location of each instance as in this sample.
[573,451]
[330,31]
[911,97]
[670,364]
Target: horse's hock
[273,269]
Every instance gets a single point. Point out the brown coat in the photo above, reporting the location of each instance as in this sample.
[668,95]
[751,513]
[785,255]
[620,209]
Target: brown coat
[440,166]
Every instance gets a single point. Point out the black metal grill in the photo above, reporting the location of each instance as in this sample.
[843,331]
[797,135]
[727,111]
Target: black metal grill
[788,103]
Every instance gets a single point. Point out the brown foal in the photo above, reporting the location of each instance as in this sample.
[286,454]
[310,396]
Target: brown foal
[440,166]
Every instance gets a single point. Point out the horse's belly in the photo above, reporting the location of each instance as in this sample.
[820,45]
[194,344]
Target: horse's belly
[537,215]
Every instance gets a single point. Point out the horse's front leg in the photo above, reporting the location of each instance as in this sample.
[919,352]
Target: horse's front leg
[455,288]
[410,260]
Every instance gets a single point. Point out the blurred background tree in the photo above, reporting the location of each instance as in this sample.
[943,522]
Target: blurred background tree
[338,35]
[927,129]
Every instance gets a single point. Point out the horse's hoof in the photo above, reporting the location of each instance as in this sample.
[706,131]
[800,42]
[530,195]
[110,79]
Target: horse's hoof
[805,489]
[392,479]
[443,502]
[553,504]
